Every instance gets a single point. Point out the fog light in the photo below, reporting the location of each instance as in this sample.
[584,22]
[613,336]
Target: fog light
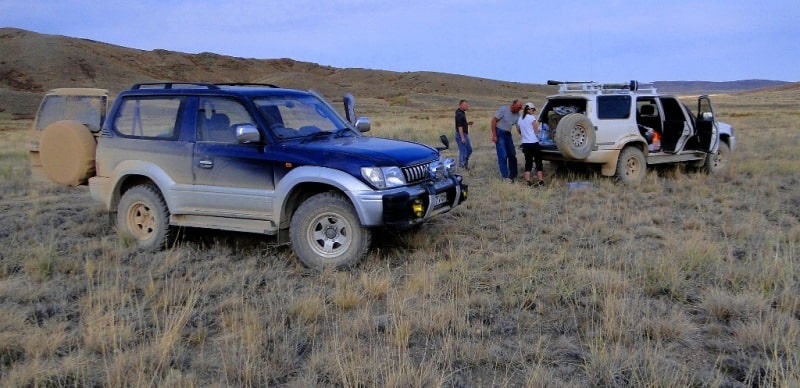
[416,207]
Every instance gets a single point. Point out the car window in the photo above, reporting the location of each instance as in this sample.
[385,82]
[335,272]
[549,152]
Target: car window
[613,107]
[88,110]
[704,108]
[673,109]
[218,117]
[148,117]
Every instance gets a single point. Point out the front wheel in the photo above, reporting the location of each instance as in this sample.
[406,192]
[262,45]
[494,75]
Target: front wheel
[143,215]
[631,166]
[325,232]
[718,162]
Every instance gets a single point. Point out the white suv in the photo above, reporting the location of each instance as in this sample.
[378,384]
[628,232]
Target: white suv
[625,127]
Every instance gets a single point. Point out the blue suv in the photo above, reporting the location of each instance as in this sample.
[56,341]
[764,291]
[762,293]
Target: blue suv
[260,159]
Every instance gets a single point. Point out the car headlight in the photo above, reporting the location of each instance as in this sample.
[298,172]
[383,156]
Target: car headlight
[450,166]
[384,177]
[437,170]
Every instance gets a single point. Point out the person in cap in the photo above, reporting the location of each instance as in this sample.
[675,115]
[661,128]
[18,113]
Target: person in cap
[528,128]
[506,116]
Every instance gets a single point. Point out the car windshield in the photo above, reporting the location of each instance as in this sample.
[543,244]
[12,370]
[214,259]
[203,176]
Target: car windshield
[293,116]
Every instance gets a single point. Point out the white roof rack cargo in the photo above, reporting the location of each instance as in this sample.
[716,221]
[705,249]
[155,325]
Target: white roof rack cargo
[567,87]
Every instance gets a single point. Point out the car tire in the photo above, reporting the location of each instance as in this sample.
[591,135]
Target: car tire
[718,161]
[575,136]
[326,232]
[631,165]
[143,216]
[66,152]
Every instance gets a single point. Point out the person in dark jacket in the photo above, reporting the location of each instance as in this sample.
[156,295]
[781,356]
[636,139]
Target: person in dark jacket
[462,135]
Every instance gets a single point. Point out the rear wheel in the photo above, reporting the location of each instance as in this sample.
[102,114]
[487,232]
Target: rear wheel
[631,166]
[326,232]
[143,215]
[718,161]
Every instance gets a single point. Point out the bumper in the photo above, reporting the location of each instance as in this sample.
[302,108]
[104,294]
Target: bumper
[414,204]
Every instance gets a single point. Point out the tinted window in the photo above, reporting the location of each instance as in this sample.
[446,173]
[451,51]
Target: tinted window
[613,107]
[673,109]
[148,117]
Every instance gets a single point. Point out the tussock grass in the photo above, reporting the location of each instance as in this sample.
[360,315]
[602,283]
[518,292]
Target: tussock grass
[685,280]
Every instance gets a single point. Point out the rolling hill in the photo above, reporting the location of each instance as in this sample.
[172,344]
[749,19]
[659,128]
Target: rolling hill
[35,63]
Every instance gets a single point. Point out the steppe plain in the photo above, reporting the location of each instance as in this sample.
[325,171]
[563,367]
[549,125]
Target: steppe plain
[685,280]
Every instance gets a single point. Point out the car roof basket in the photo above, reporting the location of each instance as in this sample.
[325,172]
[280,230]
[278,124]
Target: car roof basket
[567,87]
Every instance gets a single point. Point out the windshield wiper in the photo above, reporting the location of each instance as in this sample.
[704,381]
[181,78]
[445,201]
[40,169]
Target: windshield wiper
[340,132]
[315,135]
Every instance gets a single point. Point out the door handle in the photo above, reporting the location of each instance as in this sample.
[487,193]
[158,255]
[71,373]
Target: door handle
[206,163]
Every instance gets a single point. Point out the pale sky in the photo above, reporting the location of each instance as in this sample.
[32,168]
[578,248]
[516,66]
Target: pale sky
[518,41]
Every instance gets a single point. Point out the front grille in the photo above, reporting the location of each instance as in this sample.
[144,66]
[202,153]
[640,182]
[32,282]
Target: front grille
[416,173]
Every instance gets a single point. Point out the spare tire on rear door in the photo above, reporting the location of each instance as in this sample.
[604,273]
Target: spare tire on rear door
[575,136]
[66,150]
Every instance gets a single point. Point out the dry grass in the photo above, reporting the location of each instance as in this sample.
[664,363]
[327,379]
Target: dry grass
[686,280]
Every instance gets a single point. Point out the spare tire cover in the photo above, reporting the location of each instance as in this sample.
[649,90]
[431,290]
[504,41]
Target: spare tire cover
[575,136]
[66,150]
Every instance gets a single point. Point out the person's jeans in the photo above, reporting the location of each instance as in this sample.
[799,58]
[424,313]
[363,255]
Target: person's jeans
[506,154]
[464,151]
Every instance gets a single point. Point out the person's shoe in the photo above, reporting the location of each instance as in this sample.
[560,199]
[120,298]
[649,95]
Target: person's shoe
[540,184]
[509,180]
[530,183]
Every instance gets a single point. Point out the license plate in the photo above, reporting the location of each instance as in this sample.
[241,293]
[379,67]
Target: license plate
[439,199]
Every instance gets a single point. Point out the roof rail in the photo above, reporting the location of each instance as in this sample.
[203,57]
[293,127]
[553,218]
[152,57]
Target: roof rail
[174,85]
[553,82]
[565,87]
[247,84]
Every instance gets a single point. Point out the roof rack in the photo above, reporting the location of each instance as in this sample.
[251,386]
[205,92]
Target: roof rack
[565,87]
[247,84]
[174,85]
[196,85]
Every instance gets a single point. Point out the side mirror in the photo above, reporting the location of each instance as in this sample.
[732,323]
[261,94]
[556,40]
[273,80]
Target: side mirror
[350,108]
[247,133]
[445,141]
[708,116]
[362,124]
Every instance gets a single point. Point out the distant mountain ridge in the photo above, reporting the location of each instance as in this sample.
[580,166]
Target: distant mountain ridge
[710,87]
[33,63]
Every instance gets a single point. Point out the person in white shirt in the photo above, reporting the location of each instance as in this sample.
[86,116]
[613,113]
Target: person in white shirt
[528,127]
